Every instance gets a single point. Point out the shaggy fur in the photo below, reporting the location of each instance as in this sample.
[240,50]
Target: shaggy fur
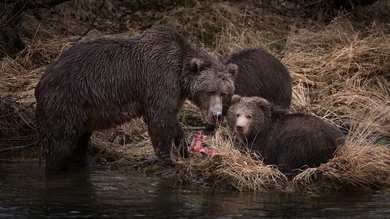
[259,74]
[290,141]
[103,83]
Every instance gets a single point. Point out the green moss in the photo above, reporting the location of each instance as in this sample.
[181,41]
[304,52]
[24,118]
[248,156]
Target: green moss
[277,45]
[150,19]
[170,21]
[289,189]
[208,35]
[155,169]
[147,20]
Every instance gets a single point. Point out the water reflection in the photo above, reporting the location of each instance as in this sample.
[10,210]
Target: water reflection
[25,192]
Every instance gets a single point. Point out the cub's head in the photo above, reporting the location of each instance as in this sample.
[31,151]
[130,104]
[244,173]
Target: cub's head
[248,116]
[212,87]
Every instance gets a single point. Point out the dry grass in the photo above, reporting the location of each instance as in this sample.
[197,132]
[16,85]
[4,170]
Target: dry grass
[231,167]
[16,119]
[342,70]
[359,164]
[339,70]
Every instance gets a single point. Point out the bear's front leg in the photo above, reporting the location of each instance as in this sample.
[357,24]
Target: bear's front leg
[58,156]
[162,139]
[80,152]
[181,141]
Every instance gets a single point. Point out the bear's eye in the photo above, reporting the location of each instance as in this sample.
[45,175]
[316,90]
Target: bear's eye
[249,117]
[223,94]
[237,115]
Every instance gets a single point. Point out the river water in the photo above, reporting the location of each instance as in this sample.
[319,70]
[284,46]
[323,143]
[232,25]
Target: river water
[25,192]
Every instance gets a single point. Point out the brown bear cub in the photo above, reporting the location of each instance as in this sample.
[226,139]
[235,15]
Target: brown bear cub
[259,74]
[105,82]
[288,140]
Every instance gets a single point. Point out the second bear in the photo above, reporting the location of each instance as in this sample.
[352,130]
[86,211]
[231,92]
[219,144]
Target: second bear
[259,74]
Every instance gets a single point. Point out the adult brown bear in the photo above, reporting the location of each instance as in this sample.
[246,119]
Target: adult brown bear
[259,74]
[288,140]
[106,82]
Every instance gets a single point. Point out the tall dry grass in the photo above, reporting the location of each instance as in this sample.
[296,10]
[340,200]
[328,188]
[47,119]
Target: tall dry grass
[340,73]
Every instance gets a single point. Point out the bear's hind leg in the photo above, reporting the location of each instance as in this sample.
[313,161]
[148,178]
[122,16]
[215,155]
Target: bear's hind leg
[80,152]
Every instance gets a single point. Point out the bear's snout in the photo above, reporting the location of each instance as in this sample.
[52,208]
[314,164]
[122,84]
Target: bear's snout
[241,125]
[240,129]
[214,117]
[215,109]
[217,115]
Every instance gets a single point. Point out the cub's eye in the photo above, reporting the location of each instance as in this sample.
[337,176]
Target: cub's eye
[249,117]
[237,115]
[223,94]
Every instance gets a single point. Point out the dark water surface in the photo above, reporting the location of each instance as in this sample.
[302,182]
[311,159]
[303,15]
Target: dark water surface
[25,192]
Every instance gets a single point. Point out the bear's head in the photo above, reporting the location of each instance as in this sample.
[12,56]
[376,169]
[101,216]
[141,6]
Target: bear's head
[212,87]
[248,116]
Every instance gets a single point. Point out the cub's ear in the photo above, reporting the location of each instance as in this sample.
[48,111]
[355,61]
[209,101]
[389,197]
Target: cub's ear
[263,104]
[236,98]
[261,101]
[232,69]
[196,64]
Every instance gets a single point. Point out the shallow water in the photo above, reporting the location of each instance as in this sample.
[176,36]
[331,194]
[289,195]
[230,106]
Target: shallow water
[25,192]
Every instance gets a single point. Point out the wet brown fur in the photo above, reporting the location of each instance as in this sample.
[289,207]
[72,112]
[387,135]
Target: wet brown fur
[103,83]
[259,74]
[289,141]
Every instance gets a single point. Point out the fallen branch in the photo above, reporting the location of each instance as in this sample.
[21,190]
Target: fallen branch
[17,139]
[5,9]
[15,112]
[193,128]
[18,147]
[48,4]
[16,11]
[92,21]
[9,115]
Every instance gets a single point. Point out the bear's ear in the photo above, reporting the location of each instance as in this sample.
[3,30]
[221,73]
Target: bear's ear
[236,98]
[196,64]
[261,101]
[232,69]
[263,104]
